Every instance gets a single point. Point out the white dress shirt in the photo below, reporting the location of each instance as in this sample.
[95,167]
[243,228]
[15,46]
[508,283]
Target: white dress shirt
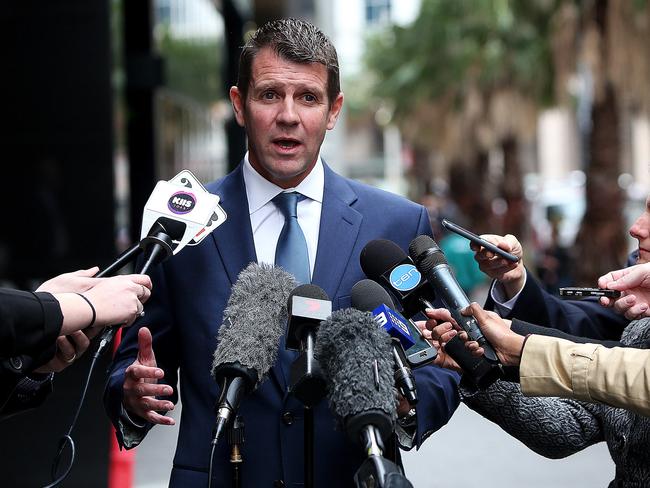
[502,305]
[267,220]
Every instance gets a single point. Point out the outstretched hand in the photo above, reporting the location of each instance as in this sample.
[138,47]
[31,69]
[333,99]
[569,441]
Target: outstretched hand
[141,385]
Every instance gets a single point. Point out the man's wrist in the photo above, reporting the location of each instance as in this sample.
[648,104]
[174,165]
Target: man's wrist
[513,288]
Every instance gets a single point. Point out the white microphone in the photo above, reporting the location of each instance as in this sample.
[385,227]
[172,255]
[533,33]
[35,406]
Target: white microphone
[189,211]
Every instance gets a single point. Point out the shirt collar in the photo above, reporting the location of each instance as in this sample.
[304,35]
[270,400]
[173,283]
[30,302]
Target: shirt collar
[261,191]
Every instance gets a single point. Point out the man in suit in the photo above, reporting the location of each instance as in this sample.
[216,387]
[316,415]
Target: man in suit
[516,294]
[287,97]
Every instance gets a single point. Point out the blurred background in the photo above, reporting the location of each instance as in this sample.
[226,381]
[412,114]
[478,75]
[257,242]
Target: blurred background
[523,117]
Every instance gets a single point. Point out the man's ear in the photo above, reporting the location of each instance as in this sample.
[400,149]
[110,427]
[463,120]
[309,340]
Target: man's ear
[335,110]
[237,105]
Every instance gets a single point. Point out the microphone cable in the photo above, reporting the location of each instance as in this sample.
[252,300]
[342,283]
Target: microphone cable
[67,438]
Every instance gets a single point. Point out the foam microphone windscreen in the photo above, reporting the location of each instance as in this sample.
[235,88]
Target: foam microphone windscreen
[356,358]
[366,295]
[254,319]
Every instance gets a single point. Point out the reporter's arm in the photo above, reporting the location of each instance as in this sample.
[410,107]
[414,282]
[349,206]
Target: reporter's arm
[29,322]
[590,372]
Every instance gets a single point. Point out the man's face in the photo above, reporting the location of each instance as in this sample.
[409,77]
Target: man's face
[286,114]
[640,230]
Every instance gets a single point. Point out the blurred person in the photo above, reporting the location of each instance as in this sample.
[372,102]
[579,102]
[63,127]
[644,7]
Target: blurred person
[287,97]
[555,263]
[460,256]
[45,331]
[558,427]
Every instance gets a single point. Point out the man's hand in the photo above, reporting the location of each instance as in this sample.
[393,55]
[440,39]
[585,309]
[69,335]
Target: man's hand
[511,275]
[634,285]
[141,384]
[68,349]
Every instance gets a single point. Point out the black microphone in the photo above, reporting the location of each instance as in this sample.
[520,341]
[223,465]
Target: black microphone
[367,295]
[431,261]
[386,263]
[248,339]
[307,306]
[360,388]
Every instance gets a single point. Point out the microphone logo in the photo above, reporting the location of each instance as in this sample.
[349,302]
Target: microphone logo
[313,305]
[181,202]
[381,319]
[405,277]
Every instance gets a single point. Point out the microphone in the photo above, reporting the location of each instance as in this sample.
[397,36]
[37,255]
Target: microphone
[307,306]
[175,215]
[386,263]
[248,339]
[431,261]
[369,296]
[191,209]
[360,387]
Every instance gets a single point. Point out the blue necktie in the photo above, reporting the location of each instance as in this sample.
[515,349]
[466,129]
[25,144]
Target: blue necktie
[291,252]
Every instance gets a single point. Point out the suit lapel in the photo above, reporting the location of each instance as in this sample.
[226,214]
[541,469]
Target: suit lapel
[234,239]
[339,228]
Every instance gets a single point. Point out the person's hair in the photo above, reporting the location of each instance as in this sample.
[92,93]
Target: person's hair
[294,40]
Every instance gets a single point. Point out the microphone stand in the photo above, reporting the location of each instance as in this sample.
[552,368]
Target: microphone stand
[236,440]
[308,386]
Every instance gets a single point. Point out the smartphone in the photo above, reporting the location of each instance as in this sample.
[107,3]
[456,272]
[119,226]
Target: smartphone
[577,292]
[457,229]
[422,352]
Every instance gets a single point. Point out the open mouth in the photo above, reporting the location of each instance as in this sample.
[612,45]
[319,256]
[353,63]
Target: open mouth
[286,144]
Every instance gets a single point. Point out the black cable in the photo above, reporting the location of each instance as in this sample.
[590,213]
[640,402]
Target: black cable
[67,438]
[214,446]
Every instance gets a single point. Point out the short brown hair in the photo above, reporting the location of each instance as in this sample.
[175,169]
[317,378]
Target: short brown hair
[294,40]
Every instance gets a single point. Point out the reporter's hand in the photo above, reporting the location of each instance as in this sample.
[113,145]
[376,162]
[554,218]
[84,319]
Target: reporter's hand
[511,275]
[435,328]
[634,285]
[141,386]
[115,301]
[496,330]
[75,282]
[119,300]
[68,350]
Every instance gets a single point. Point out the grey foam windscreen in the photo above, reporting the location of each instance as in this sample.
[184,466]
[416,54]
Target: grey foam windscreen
[347,346]
[254,319]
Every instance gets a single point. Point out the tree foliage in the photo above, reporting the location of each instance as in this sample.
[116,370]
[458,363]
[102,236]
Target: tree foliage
[456,46]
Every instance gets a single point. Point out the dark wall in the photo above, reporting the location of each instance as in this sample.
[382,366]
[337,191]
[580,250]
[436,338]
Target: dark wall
[57,173]
[56,137]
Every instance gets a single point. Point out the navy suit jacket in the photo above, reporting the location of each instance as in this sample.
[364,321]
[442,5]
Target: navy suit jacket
[583,318]
[184,313]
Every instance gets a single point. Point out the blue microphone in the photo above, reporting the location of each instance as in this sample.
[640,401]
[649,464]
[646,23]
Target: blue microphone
[367,295]
[394,324]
